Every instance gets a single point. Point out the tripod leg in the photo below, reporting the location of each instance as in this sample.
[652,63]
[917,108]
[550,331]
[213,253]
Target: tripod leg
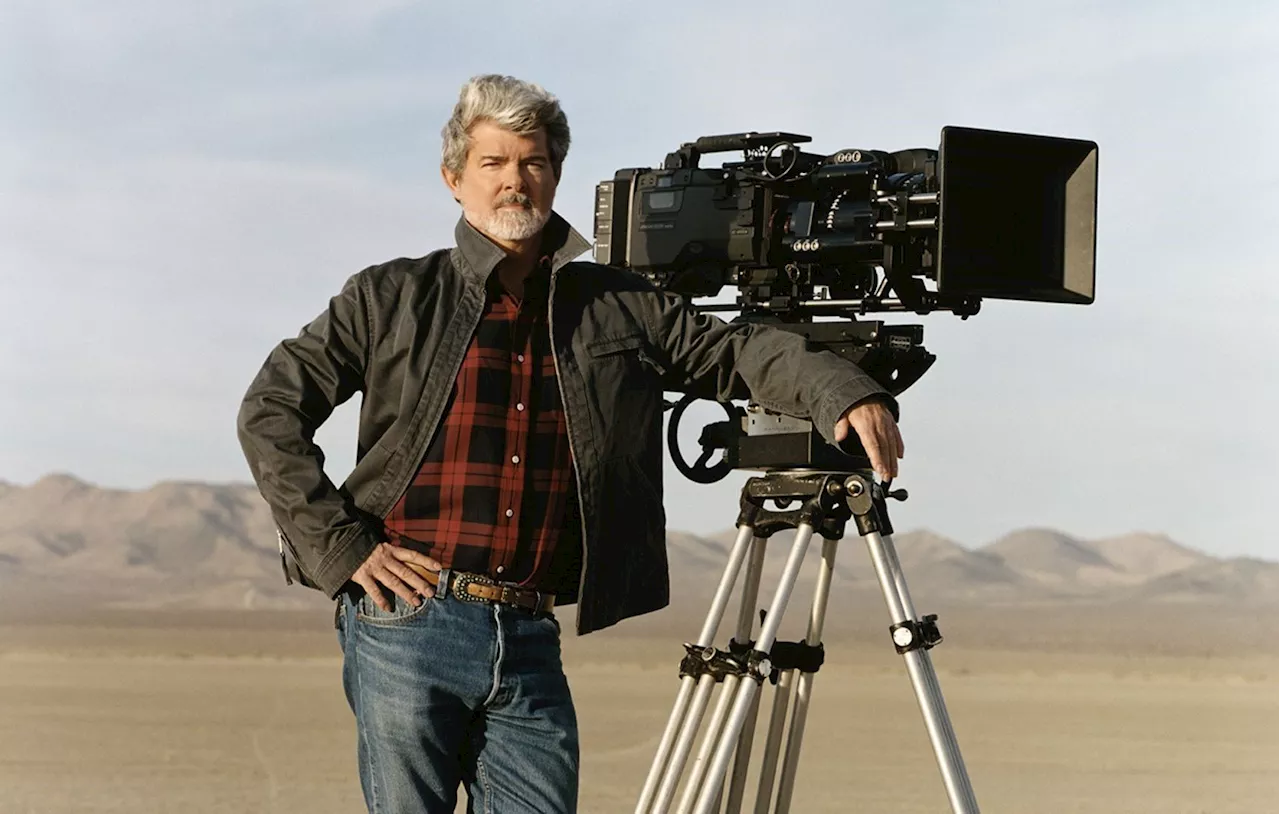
[748,688]
[725,589]
[928,676]
[709,738]
[804,685]
[706,685]
[924,679]
[746,623]
[678,713]
[678,733]
[773,741]
[746,618]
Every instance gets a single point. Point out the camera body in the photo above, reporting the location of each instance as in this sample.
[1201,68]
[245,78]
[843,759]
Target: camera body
[813,243]
[987,214]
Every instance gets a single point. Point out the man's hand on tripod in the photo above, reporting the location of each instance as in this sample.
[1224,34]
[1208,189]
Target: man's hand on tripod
[878,431]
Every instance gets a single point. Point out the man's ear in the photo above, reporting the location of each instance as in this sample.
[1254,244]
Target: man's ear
[451,180]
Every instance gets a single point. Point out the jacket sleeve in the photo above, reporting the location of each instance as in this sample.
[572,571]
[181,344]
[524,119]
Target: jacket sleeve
[302,381]
[778,369]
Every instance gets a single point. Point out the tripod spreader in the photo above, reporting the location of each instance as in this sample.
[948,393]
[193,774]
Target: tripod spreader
[742,659]
[709,661]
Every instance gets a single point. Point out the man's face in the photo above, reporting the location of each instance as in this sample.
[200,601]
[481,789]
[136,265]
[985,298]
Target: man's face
[507,187]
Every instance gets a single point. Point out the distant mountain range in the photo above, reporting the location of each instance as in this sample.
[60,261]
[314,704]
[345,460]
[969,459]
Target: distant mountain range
[205,546]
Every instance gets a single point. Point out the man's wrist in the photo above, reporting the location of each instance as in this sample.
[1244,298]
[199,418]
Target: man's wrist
[884,399]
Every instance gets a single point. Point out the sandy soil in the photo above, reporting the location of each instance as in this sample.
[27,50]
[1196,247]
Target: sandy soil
[236,713]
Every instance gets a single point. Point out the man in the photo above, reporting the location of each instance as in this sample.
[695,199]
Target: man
[509,460]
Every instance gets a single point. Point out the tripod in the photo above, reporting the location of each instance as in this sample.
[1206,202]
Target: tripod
[827,500]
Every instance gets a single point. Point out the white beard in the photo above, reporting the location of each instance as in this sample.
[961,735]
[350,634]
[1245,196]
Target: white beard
[510,224]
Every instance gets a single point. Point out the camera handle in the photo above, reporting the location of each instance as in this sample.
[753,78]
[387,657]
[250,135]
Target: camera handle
[717,436]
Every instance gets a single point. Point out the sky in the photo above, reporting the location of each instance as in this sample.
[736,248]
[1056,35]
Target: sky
[184,184]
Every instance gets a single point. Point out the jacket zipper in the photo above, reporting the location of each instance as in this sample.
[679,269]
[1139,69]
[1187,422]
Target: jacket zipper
[568,426]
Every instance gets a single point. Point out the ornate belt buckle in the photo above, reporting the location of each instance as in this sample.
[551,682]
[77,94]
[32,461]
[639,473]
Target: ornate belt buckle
[460,583]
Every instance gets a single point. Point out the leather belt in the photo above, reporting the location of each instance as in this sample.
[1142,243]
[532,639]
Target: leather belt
[468,587]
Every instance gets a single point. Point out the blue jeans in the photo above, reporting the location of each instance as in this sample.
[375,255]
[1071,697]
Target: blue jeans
[459,693]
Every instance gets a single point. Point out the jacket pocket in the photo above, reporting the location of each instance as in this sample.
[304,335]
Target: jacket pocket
[631,345]
[615,344]
[625,392]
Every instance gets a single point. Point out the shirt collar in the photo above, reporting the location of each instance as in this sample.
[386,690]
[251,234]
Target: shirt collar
[560,242]
[536,286]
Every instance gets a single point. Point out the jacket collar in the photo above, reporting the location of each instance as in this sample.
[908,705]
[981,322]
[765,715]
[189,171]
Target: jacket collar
[560,241]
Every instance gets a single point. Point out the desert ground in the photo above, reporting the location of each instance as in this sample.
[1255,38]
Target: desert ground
[152,660]
[1057,709]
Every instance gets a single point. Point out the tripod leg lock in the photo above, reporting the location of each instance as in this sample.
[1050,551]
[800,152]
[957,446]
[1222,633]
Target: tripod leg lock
[802,656]
[700,661]
[916,634]
[756,664]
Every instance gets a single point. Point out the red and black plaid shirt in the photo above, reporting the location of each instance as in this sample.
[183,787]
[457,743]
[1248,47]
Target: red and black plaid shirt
[491,493]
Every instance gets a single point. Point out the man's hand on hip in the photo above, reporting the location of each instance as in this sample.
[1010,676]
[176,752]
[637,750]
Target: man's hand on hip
[398,568]
[878,431]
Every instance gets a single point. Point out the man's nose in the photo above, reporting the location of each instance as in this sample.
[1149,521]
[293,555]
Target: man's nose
[513,178]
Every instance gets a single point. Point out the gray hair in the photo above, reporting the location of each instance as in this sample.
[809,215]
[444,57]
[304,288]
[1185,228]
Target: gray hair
[512,104]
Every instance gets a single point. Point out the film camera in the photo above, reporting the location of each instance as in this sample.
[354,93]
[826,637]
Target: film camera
[814,243]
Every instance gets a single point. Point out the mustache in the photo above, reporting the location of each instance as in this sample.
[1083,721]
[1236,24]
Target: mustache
[516,198]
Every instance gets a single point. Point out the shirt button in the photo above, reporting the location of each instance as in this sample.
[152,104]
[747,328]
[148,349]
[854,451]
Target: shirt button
[510,512]
[520,406]
[515,459]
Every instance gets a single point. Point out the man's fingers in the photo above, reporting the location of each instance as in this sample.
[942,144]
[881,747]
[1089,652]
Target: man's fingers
[878,441]
[408,555]
[425,570]
[397,586]
[379,569]
[879,434]
[880,462]
[428,576]
[888,450]
[411,577]
[870,439]
[371,588]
